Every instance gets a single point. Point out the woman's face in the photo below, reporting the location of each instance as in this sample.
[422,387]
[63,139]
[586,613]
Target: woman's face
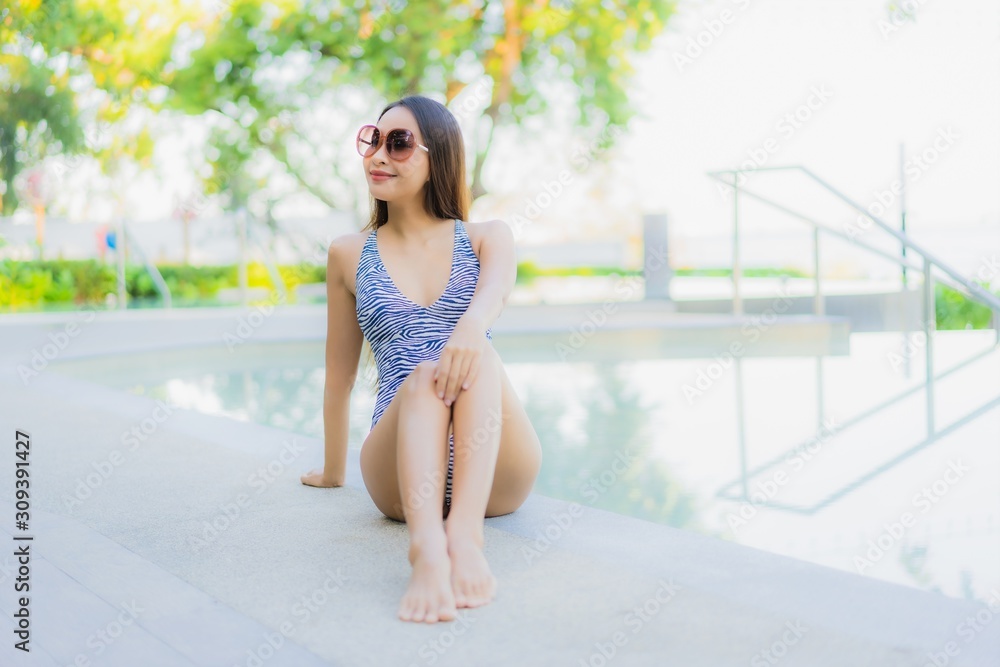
[408,176]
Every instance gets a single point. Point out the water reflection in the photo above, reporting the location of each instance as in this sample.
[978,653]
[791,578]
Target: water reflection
[609,464]
[605,460]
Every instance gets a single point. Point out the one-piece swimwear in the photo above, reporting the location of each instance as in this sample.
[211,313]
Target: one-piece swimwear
[403,333]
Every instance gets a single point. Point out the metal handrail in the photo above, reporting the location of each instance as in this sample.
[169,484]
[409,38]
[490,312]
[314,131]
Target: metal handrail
[269,262]
[927,298]
[972,289]
[158,282]
[247,235]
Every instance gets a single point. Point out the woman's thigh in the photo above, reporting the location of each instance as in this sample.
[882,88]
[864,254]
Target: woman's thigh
[519,459]
[378,452]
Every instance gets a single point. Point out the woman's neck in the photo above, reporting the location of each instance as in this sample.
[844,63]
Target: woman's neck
[412,223]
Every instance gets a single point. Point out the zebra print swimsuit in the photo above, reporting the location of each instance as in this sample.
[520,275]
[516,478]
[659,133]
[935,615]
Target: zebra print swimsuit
[402,333]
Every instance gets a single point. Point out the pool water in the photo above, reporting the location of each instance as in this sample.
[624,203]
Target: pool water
[762,451]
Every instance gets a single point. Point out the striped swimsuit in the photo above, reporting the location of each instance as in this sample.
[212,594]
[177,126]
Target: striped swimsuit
[402,333]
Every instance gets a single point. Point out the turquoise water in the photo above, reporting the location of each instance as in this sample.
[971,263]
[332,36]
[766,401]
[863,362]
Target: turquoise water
[680,441]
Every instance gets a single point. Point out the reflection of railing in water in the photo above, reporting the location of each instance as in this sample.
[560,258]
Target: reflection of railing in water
[728,491]
[930,262]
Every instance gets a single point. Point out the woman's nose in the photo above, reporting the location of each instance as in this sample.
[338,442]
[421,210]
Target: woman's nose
[382,153]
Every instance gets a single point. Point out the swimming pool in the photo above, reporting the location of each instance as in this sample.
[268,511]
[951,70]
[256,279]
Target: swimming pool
[768,451]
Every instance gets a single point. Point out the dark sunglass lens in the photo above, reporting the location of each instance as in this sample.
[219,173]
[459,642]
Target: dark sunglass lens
[400,143]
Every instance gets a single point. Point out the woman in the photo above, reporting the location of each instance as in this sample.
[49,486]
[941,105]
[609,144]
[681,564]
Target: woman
[450,443]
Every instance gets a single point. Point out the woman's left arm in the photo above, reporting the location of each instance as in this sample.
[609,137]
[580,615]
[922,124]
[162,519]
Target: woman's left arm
[461,355]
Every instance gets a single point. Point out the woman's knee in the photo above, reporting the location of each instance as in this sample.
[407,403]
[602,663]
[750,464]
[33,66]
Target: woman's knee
[421,378]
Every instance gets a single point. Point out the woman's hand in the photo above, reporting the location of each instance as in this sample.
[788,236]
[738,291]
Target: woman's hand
[460,358]
[319,478]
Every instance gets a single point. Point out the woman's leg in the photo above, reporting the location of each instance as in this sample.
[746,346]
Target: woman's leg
[497,459]
[404,463]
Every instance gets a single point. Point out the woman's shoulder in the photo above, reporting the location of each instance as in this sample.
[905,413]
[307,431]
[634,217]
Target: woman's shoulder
[479,230]
[345,250]
[348,246]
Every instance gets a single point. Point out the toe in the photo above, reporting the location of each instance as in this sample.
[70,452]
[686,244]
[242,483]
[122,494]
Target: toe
[458,590]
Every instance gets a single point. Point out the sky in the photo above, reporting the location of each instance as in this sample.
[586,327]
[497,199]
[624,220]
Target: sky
[854,95]
[878,89]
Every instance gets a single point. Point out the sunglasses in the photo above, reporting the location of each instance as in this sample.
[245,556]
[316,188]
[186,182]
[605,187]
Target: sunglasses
[399,143]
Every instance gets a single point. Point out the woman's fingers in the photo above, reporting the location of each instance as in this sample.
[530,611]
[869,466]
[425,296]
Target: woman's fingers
[441,373]
[471,376]
[459,369]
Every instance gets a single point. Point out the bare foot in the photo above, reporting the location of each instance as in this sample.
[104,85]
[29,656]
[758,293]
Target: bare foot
[317,478]
[471,579]
[428,597]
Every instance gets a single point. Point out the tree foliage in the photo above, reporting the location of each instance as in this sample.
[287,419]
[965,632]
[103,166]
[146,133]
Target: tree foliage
[272,78]
[56,53]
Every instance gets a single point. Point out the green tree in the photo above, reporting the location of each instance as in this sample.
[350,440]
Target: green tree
[264,66]
[50,52]
[274,79]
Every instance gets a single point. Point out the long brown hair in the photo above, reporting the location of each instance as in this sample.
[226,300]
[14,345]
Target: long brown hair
[446,194]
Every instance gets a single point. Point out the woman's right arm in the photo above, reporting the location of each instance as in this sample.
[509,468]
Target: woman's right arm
[343,351]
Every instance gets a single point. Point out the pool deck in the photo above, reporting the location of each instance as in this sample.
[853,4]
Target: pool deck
[198,545]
